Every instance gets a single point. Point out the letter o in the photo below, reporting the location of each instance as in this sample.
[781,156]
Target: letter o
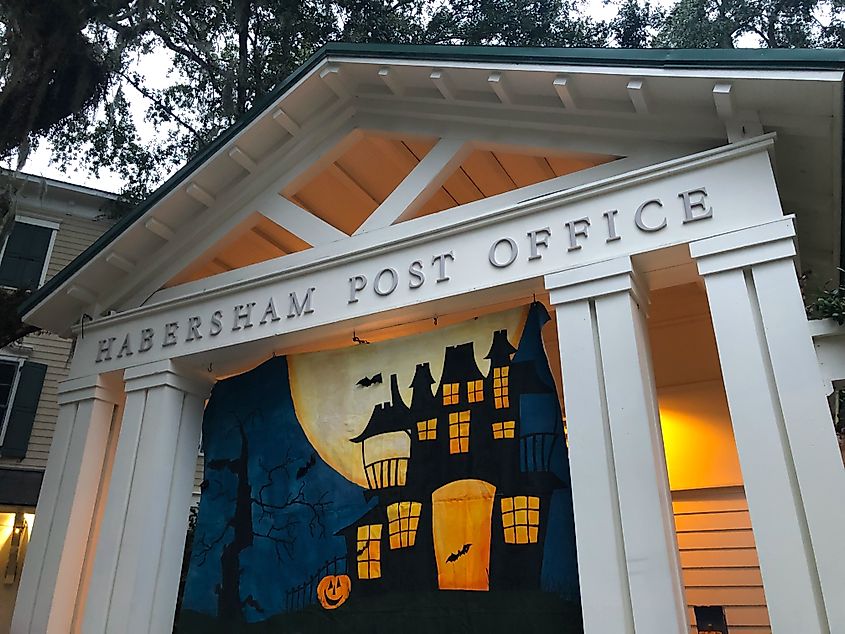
[514,250]
[393,284]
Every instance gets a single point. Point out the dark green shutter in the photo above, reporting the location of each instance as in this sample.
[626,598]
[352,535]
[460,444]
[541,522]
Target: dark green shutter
[23,410]
[23,258]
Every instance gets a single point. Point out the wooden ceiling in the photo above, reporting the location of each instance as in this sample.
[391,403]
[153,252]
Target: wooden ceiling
[344,193]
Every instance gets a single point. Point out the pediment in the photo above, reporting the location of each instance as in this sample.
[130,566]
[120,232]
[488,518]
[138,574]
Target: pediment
[360,140]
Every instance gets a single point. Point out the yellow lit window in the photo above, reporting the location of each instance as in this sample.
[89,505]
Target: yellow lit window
[427,429]
[459,432]
[504,430]
[475,391]
[403,519]
[450,393]
[369,551]
[521,519]
[500,387]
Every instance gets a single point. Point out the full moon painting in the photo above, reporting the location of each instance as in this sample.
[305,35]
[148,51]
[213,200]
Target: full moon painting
[407,485]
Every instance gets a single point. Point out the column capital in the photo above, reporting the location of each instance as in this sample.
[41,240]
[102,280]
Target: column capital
[102,387]
[595,280]
[745,247]
[167,373]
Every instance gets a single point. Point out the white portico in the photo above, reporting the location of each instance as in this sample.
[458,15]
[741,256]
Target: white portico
[382,190]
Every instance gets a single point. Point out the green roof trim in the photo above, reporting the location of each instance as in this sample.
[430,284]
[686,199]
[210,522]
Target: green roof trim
[756,59]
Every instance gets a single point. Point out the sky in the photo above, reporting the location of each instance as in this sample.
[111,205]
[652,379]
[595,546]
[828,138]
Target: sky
[155,68]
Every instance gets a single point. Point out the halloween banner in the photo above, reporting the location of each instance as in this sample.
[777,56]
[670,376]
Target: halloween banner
[414,485]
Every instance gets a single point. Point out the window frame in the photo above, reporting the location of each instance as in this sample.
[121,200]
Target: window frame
[13,391]
[38,222]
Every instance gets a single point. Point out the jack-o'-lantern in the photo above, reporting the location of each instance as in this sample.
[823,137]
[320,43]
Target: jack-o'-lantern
[333,590]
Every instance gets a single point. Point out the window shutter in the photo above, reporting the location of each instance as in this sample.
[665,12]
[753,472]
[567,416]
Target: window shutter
[23,258]
[22,415]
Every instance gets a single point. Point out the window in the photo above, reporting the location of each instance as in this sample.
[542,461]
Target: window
[403,519]
[475,391]
[504,430]
[369,551]
[459,432]
[25,253]
[427,429]
[500,387]
[20,390]
[450,393]
[521,519]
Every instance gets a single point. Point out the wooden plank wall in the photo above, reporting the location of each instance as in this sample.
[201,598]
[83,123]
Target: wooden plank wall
[74,236]
[718,557]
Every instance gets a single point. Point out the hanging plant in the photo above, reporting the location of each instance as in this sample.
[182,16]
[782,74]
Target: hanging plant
[830,304]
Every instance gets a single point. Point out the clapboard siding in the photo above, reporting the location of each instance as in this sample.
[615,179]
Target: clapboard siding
[718,557]
[74,236]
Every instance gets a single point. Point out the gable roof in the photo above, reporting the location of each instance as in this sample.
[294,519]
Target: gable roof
[751,59]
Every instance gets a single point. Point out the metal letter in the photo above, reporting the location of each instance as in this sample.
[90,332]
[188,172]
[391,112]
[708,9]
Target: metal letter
[194,324]
[216,323]
[692,205]
[296,309]
[125,348]
[441,259]
[271,312]
[104,351]
[638,216]
[610,217]
[356,285]
[394,283]
[170,334]
[538,240]
[243,313]
[417,276]
[575,232]
[513,249]
[146,339]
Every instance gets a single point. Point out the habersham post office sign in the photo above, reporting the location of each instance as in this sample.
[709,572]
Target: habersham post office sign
[467,339]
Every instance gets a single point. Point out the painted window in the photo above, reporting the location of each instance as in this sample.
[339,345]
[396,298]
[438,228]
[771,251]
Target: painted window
[369,551]
[475,391]
[450,393]
[521,519]
[427,429]
[459,432]
[504,429]
[500,387]
[403,519]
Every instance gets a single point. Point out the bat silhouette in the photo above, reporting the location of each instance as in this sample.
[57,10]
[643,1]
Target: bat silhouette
[304,469]
[463,550]
[364,549]
[368,381]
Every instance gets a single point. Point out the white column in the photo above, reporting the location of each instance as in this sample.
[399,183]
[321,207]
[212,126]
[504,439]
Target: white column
[63,518]
[794,479]
[627,551]
[139,553]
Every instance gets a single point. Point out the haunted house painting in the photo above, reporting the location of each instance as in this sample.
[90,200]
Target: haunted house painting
[437,497]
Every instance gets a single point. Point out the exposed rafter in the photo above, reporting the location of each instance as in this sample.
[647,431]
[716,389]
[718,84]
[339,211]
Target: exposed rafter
[283,119]
[724,101]
[345,179]
[443,84]
[332,76]
[498,84]
[157,227]
[426,177]
[243,159]
[388,76]
[199,194]
[120,262]
[300,222]
[564,90]
[638,94]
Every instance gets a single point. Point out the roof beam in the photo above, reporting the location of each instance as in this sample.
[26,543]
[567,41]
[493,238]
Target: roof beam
[388,76]
[300,222]
[157,227]
[638,94]
[563,88]
[724,100]
[199,194]
[283,119]
[498,84]
[82,294]
[345,179]
[120,262]
[243,159]
[443,83]
[429,174]
[333,78]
